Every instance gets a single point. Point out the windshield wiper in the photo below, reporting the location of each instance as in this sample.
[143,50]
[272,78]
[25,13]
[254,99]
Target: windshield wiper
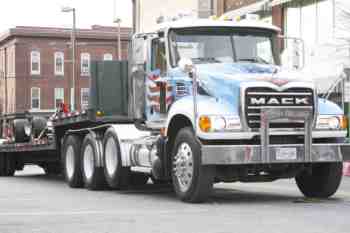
[205,59]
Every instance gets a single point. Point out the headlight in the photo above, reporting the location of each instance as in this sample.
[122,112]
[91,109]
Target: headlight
[331,122]
[219,123]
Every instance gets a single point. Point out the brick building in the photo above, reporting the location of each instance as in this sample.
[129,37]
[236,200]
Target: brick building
[36,65]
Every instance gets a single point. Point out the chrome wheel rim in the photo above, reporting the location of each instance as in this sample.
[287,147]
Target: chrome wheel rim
[183,166]
[89,164]
[70,161]
[111,156]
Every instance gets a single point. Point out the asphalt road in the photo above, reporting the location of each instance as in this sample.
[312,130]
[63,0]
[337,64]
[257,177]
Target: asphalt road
[34,203]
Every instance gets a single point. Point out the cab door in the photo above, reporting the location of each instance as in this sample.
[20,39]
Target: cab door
[156,79]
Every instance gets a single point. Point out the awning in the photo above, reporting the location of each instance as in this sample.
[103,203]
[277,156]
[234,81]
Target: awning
[278,2]
[258,6]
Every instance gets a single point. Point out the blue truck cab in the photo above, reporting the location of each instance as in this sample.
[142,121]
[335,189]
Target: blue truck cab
[227,111]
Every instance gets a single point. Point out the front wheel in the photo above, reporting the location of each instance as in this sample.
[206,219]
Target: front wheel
[322,182]
[192,182]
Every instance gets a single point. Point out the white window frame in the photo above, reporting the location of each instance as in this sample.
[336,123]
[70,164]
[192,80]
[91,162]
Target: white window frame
[108,57]
[31,97]
[59,55]
[83,57]
[57,91]
[32,55]
[84,106]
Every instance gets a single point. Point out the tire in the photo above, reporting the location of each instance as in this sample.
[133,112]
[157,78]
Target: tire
[93,176]
[71,161]
[199,182]
[7,165]
[138,179]
[117,176]
[19,130]
[323,182]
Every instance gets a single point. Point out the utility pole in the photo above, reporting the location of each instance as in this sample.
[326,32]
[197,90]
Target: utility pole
[73,44]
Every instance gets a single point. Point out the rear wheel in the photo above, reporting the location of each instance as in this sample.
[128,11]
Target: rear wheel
[192,182]
[93,175]
[322,182]
[71,161]
[116,175]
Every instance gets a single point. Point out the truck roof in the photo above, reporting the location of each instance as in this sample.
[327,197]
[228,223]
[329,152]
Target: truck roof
[193,23]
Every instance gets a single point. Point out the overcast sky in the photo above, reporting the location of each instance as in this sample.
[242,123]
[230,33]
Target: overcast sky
[48,13]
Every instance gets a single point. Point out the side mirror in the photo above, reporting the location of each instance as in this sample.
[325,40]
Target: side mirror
[294,53]
[186,65]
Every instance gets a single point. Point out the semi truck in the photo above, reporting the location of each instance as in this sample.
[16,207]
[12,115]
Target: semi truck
[197,103]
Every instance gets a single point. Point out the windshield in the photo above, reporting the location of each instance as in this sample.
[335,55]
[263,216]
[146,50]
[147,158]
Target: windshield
[205,45]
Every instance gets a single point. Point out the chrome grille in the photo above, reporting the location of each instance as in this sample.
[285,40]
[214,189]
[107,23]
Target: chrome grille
[258,97]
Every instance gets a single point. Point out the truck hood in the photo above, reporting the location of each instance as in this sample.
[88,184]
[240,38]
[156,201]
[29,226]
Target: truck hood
[223,80]
[248,72]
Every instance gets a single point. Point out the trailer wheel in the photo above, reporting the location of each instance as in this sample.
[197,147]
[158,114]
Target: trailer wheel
[322,182]
[93,176]
[116,175]
[71,161]
[7,165]
[192,182]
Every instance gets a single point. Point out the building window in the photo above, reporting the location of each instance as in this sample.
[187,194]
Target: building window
[85,64]
[85,92]
[59,96]
[59,63]
[35,98]
[35,63]
[107,57]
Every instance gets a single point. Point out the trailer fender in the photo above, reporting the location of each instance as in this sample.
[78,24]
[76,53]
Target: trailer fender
[126,134]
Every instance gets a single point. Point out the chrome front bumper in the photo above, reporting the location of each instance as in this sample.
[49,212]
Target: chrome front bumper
[267,153]
[252,154]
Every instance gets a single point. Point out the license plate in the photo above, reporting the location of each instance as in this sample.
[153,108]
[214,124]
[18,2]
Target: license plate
[286,153]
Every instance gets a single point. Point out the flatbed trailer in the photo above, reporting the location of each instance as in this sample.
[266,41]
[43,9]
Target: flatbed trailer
[45,148]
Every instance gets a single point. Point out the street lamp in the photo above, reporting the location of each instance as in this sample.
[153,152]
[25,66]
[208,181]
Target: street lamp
[118,21]
[73,42]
